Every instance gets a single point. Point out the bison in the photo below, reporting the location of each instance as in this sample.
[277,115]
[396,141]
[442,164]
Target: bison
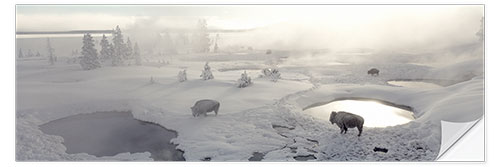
[373,71]
[205,106]
[346,120]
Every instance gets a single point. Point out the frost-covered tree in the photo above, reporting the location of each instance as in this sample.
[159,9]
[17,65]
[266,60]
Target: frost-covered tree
[50,51]
[38,54]
[244,81]
[206,74]
[30,53]
[480,33]
[272,74]
[216,47]
[119,48]
[152,81]
[182,39]
[20,53]
[181,77]
[106,50]
[137,55]
[201,41]
[129,51]
[89,59]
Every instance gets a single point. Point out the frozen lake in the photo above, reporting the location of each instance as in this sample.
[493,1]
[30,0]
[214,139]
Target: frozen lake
[110,133]
[374,113]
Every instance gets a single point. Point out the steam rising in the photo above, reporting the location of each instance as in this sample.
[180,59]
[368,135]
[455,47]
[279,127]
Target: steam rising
[413,33]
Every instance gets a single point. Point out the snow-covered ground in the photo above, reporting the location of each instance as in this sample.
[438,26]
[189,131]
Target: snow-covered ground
[264,117]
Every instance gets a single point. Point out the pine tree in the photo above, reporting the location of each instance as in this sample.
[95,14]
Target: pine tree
[137,55]
[106,51]
[30,54]
[169,44]
[216,47]
[20,53]
[206,74]
[480,33]
[201,41]
[37,54]
[119,48]
[50,52]
[244,81]
[89,59]
[128,49]
[181,77]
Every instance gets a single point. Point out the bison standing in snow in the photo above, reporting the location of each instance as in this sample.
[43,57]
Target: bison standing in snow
[346,120]
[373,71]
[204,106]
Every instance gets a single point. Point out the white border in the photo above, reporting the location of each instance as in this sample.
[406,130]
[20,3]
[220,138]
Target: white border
[7,141]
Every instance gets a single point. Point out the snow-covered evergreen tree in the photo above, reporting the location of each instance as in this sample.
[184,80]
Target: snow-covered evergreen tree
[38,54]
[181,77]
[106,50]
[202,41]
[89,59]
[272,74]
[168,44]
[244,81]
[119,48]
[30,53]
[152,81]
[206,74]
[480,33]
[137,55]
[216,47]
[275,75]
[50,52]
[20,53]
[129,51]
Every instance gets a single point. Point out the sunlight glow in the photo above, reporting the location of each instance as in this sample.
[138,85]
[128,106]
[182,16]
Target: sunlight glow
[415,84]
[375,114]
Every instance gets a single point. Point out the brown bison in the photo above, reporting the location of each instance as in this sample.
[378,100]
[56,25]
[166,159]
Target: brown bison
[373,71]
[346,120]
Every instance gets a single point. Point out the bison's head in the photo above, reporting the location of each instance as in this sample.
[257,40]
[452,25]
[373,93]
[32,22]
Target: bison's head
[193,111]
[332,117]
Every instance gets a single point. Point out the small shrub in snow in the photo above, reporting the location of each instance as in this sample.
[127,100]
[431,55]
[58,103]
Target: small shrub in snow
[244,81]
[181,77]
[272,74]
[206,74]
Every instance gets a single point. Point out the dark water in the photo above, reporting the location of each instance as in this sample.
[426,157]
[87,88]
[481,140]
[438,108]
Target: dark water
[257,156]
[304,158]
[110,133]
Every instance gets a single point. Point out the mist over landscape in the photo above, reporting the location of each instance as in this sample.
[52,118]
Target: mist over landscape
[245,82]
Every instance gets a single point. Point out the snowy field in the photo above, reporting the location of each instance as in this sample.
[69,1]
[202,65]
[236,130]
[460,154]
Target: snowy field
[264,118]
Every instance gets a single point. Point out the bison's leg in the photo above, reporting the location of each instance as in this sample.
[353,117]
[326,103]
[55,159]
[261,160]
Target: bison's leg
[216,110]
[341,126]
[360,129]
[345,129]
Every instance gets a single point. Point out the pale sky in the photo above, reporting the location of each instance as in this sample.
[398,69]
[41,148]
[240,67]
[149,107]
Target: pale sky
[371,26]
